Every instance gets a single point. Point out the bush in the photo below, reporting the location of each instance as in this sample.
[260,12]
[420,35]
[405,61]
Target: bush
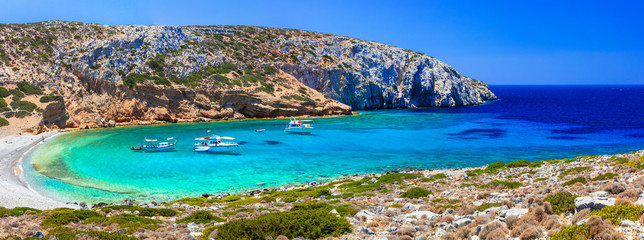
[60,217]
[226,68]
[310,224]
[615,188]
[49,98]
[157,64]
[134,78]
[29,89]
[200,217]
[23,105]
[573,231]
[575,180]
[4,92]
[605,176]
[565,172]
[343,210]
[485,206]
[509,185]
[143,211]
[620,212]
[416,192]
[435,177]
[19,211]
[3,122]
[17,94]
[397,177]
[562,202]
[518,163]
[269,70]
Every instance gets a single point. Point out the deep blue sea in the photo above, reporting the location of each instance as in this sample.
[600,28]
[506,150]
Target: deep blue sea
[527,122]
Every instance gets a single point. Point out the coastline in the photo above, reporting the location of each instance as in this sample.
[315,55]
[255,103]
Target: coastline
[14,191]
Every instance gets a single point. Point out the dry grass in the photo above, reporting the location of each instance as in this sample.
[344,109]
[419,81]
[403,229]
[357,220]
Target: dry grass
[492,231]
[615,188]
[580,215]
[530,234]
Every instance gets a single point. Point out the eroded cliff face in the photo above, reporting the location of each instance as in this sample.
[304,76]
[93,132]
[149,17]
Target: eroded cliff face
[138,74]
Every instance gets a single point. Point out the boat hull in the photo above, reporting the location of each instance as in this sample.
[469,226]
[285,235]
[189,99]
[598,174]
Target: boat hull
[159,149]
[299,130]
[213,149]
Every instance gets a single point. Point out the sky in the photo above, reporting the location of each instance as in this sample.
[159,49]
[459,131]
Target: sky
[499,42]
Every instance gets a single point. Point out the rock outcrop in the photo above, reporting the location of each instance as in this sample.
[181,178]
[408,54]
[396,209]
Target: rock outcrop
[139,74]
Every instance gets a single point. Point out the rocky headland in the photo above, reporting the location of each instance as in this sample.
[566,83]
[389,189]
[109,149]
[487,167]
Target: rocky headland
[588,197]
[77,75]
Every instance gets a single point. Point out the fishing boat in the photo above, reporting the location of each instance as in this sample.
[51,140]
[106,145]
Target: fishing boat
[299,126]
[156,145]
[215,144]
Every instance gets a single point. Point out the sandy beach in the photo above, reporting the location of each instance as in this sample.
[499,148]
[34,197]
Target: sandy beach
[13,191]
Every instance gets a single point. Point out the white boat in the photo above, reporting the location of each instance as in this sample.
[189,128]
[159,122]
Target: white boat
[300,126]
[155,145]
[214,143]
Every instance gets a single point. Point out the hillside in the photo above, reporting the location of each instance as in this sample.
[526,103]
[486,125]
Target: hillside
[97,74]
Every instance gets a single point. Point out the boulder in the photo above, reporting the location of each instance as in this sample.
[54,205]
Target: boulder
[365,213]
[419,214]
[594,203]
[462,221]
[366,230]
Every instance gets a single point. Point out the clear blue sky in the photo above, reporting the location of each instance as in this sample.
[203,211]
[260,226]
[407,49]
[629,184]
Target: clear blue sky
[500,42]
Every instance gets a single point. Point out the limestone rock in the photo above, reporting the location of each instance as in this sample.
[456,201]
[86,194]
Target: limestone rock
[593,203]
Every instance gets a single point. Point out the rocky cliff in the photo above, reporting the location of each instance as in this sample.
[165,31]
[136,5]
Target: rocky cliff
[166,73]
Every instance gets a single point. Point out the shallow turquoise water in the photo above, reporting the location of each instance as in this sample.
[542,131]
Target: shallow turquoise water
[97,165]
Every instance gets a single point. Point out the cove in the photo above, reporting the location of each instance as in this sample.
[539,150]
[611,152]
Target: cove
[528,122]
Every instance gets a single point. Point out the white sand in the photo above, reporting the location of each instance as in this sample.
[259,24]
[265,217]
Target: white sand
[14,192]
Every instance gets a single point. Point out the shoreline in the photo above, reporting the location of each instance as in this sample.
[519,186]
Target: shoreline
[14,190]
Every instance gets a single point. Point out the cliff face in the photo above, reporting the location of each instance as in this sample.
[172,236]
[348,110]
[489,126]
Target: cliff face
[166,73]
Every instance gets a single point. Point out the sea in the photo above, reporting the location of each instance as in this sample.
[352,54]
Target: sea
[527,122]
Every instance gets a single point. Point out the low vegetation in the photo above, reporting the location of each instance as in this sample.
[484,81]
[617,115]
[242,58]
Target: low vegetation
[200,217]
[62,216]
[416,192]
[575,180]
[29,89]
[518,163]
[310,224]
[485,206]
[3,122]
[620,212]
[49,98]
[23,106]
[561,202]
[508,185]
[19,211]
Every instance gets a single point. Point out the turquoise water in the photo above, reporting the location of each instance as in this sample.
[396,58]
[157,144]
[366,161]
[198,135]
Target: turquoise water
[97,165]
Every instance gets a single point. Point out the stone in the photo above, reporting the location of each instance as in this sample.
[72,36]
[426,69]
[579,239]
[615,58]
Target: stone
[599,194]
[474,238]
[419,214]
[392,230]
[439,233]
[111,123]
[334,212]
[640,200]
[627,224]
[364,213]
[365,230]
[512,212]
[39,234]
[593,203]
[410,206]
[463,221]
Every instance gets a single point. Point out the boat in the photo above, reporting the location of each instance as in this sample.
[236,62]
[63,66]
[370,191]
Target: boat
[260,130]
[215,144]
[155,145]
[299,126]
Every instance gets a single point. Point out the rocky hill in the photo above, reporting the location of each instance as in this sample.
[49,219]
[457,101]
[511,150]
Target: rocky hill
[95,74]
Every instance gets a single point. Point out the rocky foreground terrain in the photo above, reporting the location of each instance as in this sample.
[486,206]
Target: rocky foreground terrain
[590,197]
[98,75]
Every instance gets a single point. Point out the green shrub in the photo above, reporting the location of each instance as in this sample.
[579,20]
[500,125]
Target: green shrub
[128,221]
[509,185]
[397,177]
[226,67]
[157,64]
[490,169]
[49,98]
[416,192]
[200,217]
[485,206]
[536,164]
[343,210]
[518,163]
[313,192]
[605,176]
[565,172]
[4,92]
[3,122]
[267,87]
[540,179]
[60,217]
[269,70]
[134,78]
[573,231]
[17,94]
[143,211]
[29,89]
[434,177]
[562,202]
[620,212]
[18,211]
[65,233]
[310,224]
[23,105]
[575,180]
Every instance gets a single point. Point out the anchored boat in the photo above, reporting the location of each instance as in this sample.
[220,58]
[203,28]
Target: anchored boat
[214,143]
[300,126]
[155,145]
